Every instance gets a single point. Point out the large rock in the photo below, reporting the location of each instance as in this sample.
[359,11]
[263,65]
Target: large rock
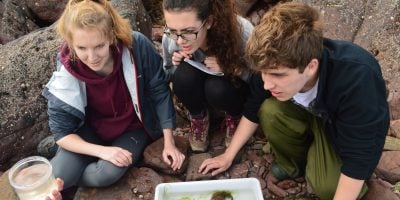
[22,17]
[244,6]
[154,8]
[395,128]
[379,189]
[389,166]
[380,34]
[394,104]
[26,66]
[342,18]
[46,11]
[153,155]
[134,11]
[16,21]
[195,161]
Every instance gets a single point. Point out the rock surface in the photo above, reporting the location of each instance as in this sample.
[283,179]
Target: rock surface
[28,62]
[138,183]
[389,166]
[379,189]
[195,161]
[153,155]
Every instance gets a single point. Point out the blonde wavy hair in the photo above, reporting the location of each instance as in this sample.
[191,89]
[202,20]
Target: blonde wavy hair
[93,14]
[290,35]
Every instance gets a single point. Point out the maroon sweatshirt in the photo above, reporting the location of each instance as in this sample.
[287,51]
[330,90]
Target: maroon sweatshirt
[109,109]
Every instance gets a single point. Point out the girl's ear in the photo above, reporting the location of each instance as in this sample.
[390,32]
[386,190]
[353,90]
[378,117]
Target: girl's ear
[210,21]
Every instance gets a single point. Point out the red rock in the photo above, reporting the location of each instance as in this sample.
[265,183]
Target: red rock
[194,163]
[389,166]
[153,155]
[377,189]
[239,170]
[395,128]
[286,184]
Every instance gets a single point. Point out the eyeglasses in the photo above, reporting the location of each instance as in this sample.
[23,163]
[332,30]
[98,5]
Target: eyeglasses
[186,35]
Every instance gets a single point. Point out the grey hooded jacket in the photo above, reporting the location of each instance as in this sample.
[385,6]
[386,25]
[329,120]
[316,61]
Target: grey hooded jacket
[146,81]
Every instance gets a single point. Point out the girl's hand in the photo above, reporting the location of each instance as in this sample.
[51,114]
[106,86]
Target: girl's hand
[178,56]
[212,64]
[116,155]
[170,151]
[56,194]
[215,165]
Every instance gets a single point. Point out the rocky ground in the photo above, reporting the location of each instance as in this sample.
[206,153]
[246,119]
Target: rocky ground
[27,63]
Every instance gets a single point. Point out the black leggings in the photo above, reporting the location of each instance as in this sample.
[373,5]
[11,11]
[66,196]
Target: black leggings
[196,90]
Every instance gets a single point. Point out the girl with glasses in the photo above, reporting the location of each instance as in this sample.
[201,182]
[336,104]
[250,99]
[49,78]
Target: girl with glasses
[209,32]
[108,99]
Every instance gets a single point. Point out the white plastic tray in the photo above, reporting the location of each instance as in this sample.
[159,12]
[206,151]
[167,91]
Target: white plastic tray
[240,189]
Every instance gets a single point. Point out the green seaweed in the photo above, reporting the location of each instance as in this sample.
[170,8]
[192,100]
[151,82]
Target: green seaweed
[225,195]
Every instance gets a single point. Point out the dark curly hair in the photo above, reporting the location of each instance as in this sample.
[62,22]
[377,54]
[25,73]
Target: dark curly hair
[224,36]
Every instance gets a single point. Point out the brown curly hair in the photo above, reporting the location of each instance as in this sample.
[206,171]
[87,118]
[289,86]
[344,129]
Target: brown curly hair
[290,34]
[224,36]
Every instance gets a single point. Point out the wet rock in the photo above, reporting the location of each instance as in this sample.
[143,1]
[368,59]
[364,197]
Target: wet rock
[153,155]
[379,34]
[239,170]
[194,163]
[293,190]
[262,171]
[263,183]
[134,11]
[343,18]
[217,139]
[46,12]
[16,21]
[27,61]
[286,184]
[269,158]
[137,182]
[389,166]
[395,128]
[171,178]
[394,104]
[255,158]
[154,8]
[144,179]
[378,189]
[22,17]
[244,6]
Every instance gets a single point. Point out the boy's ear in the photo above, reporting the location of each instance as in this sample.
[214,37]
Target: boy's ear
[313,65]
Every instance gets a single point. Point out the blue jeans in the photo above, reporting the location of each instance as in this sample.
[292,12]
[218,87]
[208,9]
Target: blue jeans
[87,171]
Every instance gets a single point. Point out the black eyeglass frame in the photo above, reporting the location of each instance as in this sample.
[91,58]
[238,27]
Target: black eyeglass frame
[175,36]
